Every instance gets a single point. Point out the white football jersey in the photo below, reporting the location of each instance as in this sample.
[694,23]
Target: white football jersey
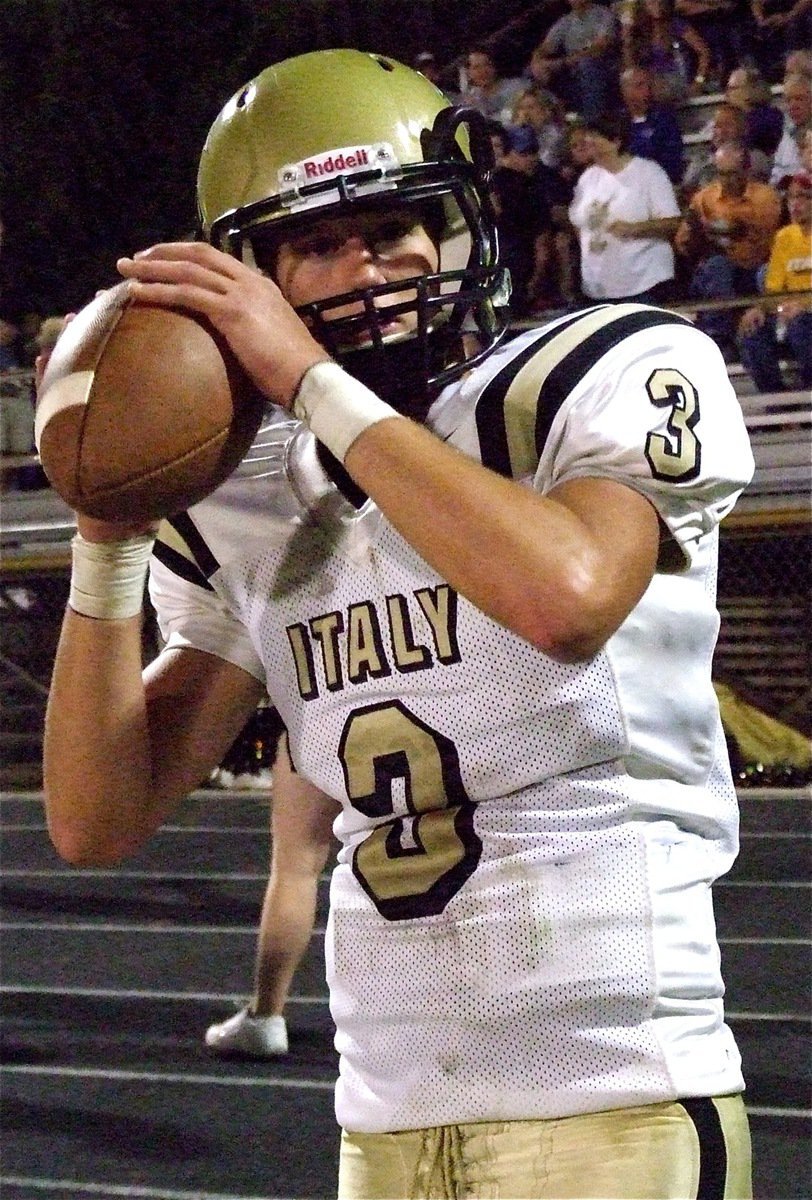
[521,922]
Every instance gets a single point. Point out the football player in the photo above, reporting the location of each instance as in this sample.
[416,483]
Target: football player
[476,577]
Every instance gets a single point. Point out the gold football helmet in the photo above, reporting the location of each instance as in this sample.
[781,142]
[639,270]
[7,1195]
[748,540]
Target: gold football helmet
[337,131]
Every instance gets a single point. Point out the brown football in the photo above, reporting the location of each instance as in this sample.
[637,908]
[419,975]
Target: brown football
[142,411]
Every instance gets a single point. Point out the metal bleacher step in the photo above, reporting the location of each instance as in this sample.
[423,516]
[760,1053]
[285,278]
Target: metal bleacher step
[695,113]
[780,810]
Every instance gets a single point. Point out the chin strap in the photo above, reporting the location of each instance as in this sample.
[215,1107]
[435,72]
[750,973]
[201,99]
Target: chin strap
[400,374]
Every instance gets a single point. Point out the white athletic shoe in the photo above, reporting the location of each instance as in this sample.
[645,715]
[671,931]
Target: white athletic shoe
[221,778]
[259,1037]
[252,781]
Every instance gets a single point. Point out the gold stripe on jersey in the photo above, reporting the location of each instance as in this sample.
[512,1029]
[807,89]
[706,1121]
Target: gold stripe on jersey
[522,397]
[517,408]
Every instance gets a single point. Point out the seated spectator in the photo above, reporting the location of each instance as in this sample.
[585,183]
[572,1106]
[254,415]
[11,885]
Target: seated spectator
[724,26]
[762,334]
[579,151]
[578,58]
[727,233]
[728,124]
[625,210]
[497,132]
[797,105]
[747,89]
[781,26]
[654,131]
[540,109]
[557,287]
[668,47]
[486,89]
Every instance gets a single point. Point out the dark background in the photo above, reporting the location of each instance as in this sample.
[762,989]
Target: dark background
[105,104]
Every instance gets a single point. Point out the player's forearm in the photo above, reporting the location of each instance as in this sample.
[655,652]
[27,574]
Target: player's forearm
[525,560]
[97,771]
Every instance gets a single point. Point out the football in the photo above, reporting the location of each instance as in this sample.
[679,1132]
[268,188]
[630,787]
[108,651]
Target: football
[142,411]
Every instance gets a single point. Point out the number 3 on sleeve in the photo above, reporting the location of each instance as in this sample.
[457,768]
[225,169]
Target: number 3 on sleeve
[676,455]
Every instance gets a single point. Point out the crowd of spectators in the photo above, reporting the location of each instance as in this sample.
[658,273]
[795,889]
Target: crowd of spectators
[599,194]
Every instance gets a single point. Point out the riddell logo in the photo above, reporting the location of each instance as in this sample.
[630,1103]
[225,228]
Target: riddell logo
[331,164]
[344,160]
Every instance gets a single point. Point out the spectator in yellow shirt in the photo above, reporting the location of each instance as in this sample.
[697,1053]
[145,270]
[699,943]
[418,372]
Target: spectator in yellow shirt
[728,231]
[761,332]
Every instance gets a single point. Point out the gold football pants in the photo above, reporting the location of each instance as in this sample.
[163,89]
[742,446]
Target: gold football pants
[690,1150]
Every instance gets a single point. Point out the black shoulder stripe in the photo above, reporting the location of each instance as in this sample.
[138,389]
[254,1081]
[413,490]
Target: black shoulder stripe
[185,526]
[563,378]
[490,414]
[181,566]
[183,551]
[516,410]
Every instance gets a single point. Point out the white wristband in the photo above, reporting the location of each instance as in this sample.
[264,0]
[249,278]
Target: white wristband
[108,578]
[336,407]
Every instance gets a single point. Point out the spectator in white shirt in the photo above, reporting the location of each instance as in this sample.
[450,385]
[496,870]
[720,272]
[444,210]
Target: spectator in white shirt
[626,213]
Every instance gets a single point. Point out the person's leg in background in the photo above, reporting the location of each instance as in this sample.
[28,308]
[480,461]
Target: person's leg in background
[301,841]
[799,339]
[760,355]
[717,278]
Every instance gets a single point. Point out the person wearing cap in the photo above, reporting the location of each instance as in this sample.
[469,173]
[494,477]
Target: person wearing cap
[538,107]
[523,213]
[426,63]
[761,331]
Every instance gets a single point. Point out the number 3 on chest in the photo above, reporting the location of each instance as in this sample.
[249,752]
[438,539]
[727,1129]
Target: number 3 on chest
[398,767]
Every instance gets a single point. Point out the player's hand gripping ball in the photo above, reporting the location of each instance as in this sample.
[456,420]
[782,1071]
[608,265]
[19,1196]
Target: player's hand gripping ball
[142,411]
